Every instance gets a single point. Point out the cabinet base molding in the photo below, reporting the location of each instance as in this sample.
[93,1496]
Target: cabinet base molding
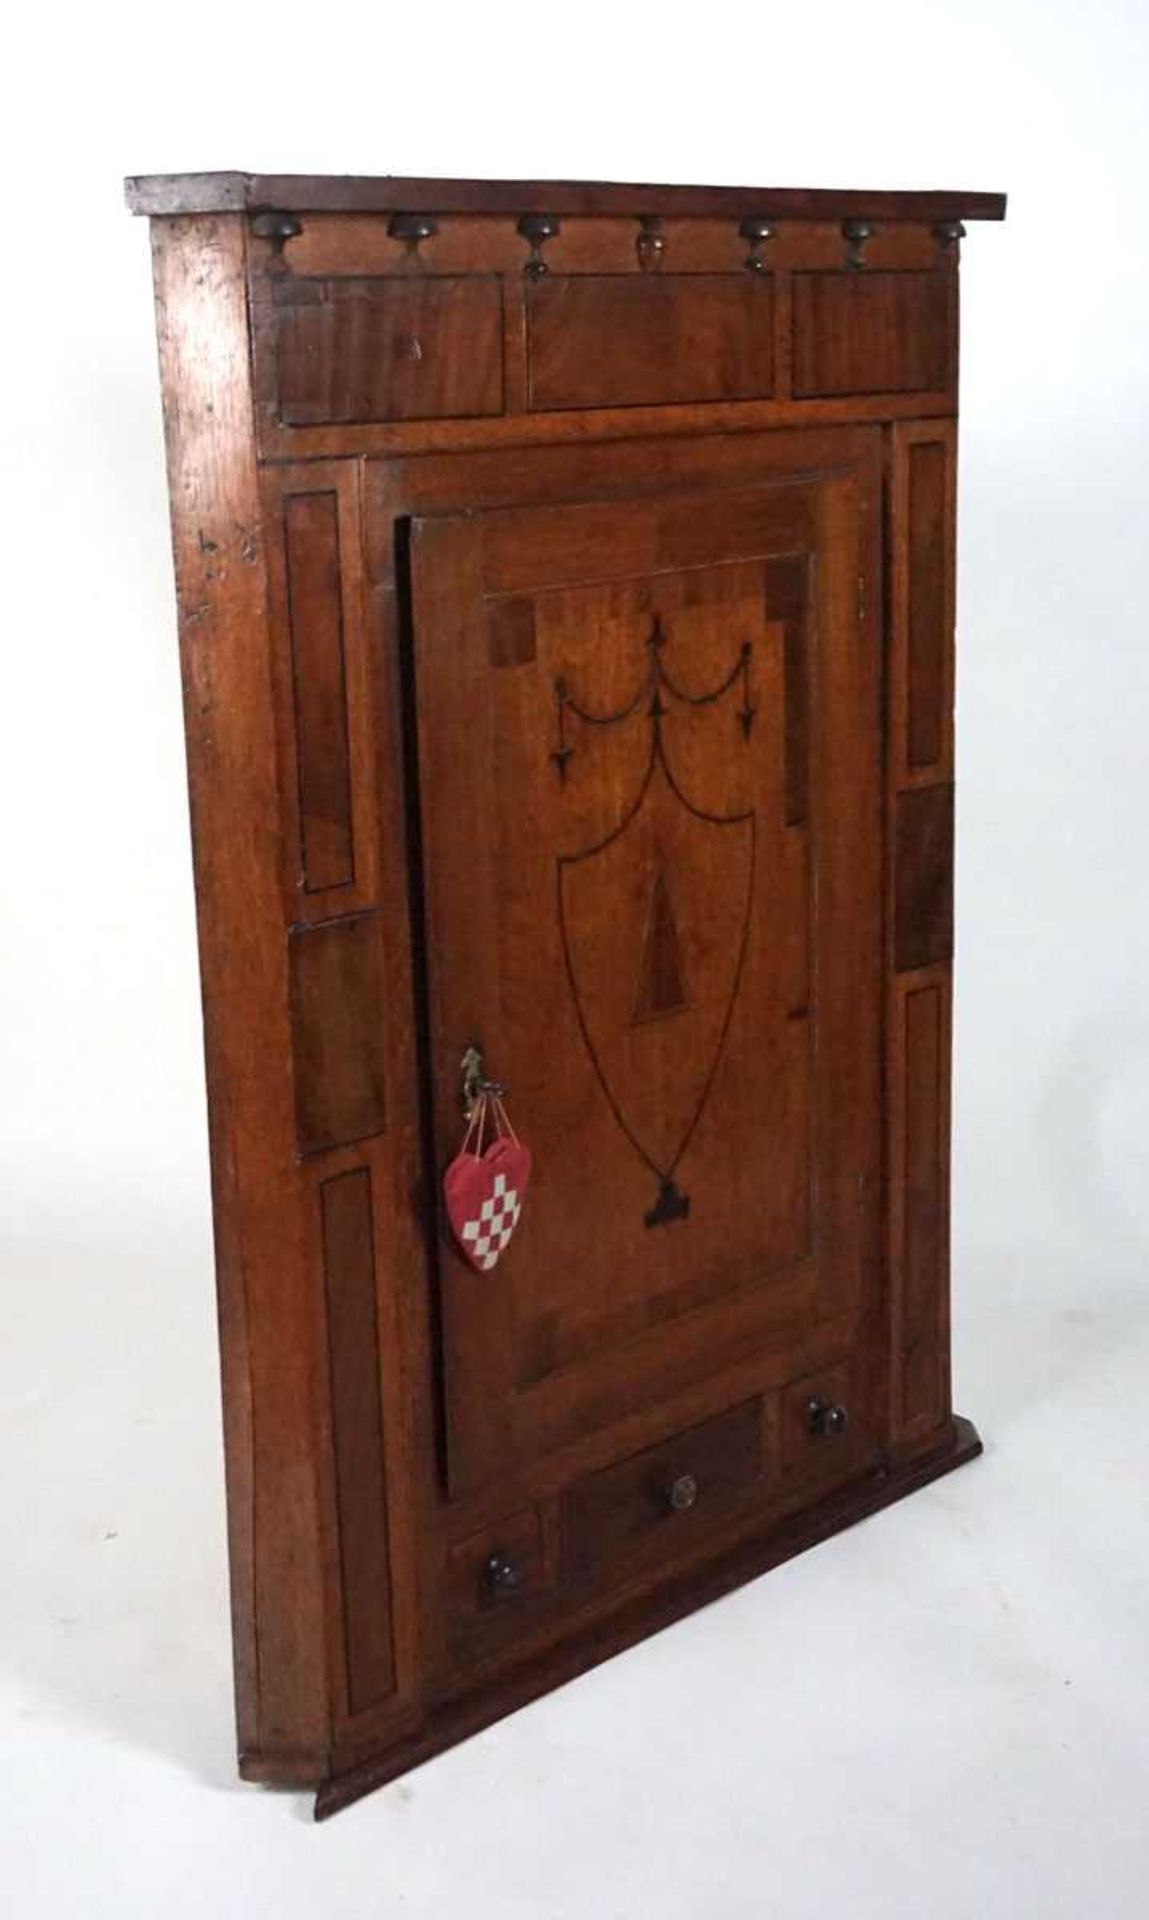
[843,1508]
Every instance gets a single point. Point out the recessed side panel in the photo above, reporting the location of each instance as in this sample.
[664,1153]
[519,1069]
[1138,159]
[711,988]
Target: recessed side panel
[319,687]
[346,1204]
[923,876]
[920,939]
[327,686]
[923,487]
[919,1121]
[928,602]
[337,1024]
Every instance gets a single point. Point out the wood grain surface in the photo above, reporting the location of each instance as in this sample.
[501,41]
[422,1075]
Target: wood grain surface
[567,632]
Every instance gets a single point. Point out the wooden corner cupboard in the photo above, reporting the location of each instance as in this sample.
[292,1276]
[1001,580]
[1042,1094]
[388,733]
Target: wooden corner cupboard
[566,605]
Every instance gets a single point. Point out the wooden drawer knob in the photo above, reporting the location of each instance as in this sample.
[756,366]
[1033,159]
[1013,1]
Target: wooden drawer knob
[758,233]
[825,1417]
[503,1574]
[413,228]
[682,1493]
[536,229]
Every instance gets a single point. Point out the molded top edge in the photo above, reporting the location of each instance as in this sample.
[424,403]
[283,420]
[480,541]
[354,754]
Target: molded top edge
[176,193]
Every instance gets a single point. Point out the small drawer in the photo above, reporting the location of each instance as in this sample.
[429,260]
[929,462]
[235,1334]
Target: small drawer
[493,1570]
[630,340]
[665,1494]
[871,332]
[825,1422]
[405,347]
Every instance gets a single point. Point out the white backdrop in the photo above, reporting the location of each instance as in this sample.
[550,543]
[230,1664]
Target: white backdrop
[939,1713]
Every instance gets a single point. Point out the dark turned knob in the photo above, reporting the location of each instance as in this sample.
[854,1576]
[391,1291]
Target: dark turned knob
[412,227]
[856,233]
[681,1494]
[823,1416]
[276,227]
[651,243]
[536,229]
[947,233]
[757,232]
[502,1574]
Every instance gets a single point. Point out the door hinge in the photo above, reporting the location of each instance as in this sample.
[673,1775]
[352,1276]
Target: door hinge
[861,598]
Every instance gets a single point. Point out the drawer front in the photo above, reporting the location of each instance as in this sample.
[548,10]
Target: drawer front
[665,1494]
[395,348]
[826,1425]
[625,340]
[498,1569]
[871,332]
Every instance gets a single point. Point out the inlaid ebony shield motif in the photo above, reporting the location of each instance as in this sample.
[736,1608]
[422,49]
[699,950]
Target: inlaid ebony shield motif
[679,876]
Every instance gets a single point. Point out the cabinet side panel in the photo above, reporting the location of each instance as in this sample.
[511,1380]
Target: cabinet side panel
[357,1433]
[920,797]
[922,494]
[319,687]
[264,1268]
[923,877]
[325,718]
[928,553]
[345,935]
[338,1031]
[921,1160]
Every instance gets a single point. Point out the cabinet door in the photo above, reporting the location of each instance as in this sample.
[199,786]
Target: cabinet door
[649,760]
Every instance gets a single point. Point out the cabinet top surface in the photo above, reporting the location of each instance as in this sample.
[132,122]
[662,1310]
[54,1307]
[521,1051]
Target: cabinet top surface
[181,193]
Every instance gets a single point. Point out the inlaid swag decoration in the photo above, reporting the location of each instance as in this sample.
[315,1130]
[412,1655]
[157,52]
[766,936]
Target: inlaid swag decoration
[662,987]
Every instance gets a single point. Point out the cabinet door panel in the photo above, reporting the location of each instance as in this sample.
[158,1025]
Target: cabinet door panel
[649,769]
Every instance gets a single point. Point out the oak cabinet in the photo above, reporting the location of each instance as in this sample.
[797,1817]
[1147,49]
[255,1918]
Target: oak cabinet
[566,604]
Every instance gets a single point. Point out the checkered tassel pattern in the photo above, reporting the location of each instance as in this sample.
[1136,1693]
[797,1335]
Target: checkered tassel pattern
[483,1191]
[485,1237]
